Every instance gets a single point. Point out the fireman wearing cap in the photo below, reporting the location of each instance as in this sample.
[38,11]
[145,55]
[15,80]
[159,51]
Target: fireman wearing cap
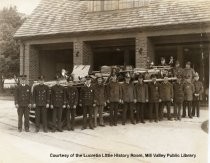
[128,99]
[154,99]
[177,70]
[166,97]
[87,102]
[72,101]
[23,103]
[197,96]
[188,72]
[189,90]
[100,101]
[114,94]
[58,103]
[41,102]
[141,98]
[178,97]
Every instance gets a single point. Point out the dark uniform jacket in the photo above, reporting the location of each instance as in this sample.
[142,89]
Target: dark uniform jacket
[188,72]
[41,95]
[178,92]
[141,92]
[87,95]
[58,96]
[178,71]
[100,95]
[166,91]
[114,92]
[128,92]
[72,96]
[198,90]
[188,91]
[23,95]
[154,92]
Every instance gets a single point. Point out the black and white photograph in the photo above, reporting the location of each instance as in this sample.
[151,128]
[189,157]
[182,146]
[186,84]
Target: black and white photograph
[104,81]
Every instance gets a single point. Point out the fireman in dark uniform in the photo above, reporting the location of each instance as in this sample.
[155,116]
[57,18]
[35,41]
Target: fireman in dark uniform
[58,103]
[197,96]
[189,90]
[178,97]
[154,99]
[166,96]
[128,99]
[87,102]
[23,103]
[177,70]
[114,99]
[41,102]
[141,98]
[188,72]
[72,101]
[100,100]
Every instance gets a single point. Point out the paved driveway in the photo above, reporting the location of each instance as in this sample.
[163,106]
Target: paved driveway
[166,141]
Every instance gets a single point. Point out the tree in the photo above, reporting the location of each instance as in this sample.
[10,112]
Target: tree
[10,21]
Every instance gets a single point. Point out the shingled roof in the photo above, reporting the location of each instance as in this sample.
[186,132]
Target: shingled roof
[71,16]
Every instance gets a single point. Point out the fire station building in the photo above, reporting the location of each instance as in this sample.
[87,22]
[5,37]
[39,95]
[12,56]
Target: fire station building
[62,33]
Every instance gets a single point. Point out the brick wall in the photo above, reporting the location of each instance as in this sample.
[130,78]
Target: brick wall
[22,49]
[31,63]
[82,53]
[144,49]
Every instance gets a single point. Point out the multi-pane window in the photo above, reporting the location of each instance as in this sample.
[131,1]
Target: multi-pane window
[102,5]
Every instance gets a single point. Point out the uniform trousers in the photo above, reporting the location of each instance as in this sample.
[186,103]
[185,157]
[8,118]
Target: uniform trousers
[98,110]
[187,104]
[70,117]
[23,111]
[140,106]
[153,108]
[57,116]
[128,106]
[177,109]
[87,110]
[196,108]
[41,111]
[113,112]
[168,105]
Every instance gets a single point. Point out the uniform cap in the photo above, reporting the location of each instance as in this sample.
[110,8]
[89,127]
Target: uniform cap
[23,76]
[70,78]
[153,76]
[141,76]
[41,77]
[87,77]
[179,76]
[177,62]
[188,63]
[165,75]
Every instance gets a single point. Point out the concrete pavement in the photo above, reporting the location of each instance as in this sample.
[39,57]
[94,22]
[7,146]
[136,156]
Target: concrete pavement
[167,141]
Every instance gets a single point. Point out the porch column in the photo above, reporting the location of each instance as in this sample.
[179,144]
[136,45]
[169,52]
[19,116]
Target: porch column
[126,57]
[180,54]
[31,63]
[144,49]
[22,58]
[82,53]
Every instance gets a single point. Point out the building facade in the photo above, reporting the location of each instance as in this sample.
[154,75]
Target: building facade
[63,33]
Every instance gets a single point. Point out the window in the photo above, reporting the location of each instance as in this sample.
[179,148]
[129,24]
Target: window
[101,5]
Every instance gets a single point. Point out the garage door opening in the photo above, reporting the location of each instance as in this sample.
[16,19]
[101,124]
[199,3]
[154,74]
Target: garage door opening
[113,52]
[55,57]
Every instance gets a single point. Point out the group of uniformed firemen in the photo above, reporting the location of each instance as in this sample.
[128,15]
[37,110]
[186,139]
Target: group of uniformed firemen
[93,97]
